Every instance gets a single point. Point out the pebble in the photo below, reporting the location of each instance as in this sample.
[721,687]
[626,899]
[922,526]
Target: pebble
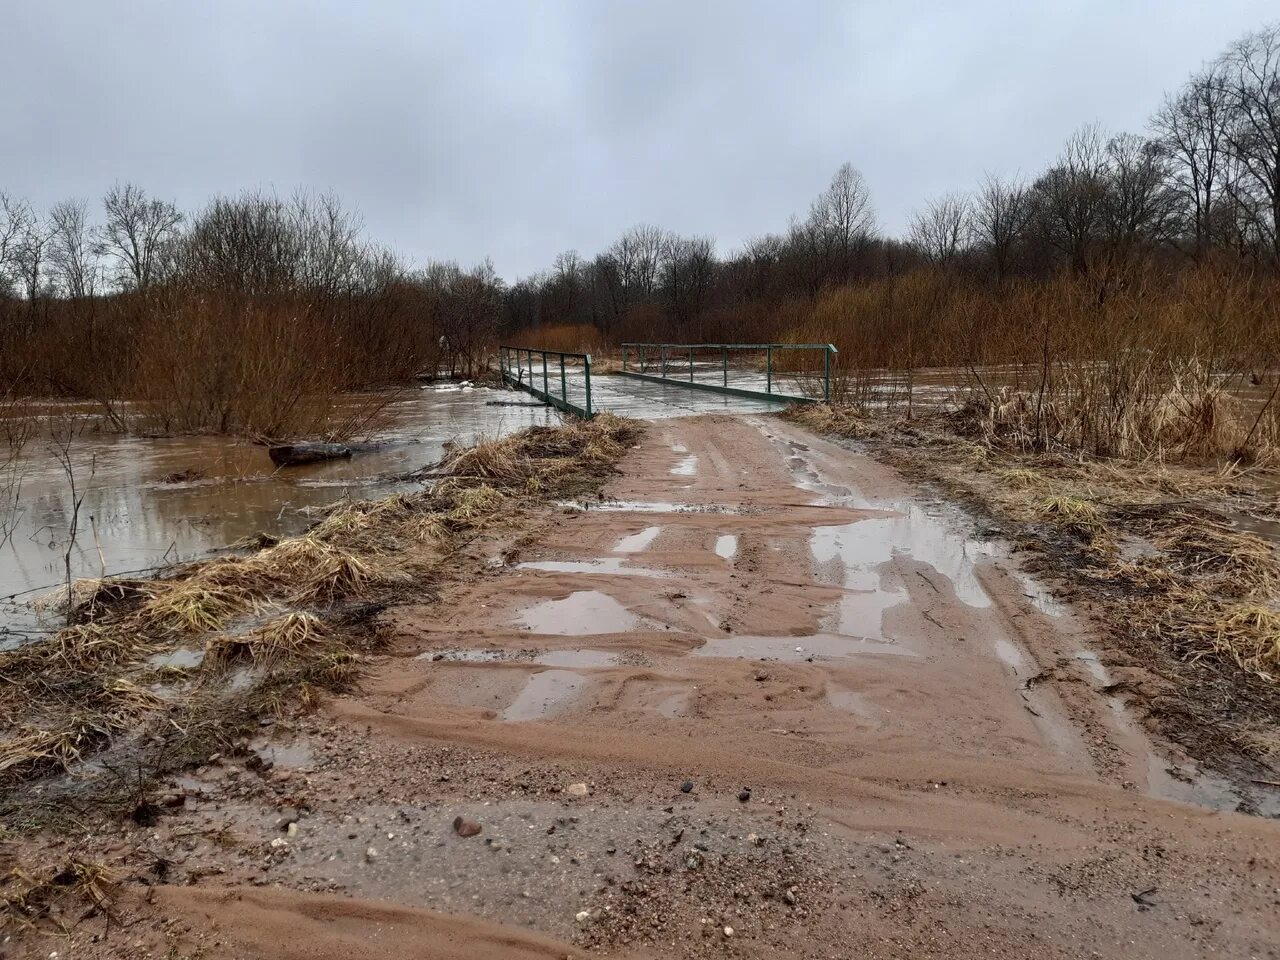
[728,931]
[686,787]
[371,854]
[577,790]
[744,794]
[465,827]
[583,916]
[292,830]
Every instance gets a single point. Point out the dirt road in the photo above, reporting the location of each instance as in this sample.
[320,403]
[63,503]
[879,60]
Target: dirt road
[766,701]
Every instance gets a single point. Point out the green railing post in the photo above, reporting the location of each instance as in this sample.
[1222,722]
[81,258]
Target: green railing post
[691,364]
[564,383]
[768,368]
[826,374]
[586,365]
[546,385]
[724,365]
[662,353]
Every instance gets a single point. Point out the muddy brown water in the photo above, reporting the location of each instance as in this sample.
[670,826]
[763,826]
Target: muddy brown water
[149,502]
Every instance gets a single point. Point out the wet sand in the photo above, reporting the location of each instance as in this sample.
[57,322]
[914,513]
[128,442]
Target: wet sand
[850,682]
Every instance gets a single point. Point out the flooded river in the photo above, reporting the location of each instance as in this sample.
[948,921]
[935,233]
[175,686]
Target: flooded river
[151,502]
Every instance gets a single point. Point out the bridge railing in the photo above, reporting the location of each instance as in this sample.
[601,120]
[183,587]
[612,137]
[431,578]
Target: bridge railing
[561,379]
[796,372]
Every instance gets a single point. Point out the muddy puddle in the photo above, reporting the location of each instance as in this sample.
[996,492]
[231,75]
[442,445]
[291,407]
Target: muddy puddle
[685,467]
[637,542]
[543,694]
[615,566]
[582,613]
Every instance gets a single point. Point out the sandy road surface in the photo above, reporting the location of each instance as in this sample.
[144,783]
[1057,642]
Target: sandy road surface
[898,747]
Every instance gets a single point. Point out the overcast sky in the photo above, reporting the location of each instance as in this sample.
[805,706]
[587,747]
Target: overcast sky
[517,130]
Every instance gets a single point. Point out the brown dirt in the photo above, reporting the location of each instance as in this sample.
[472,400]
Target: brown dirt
[941,769]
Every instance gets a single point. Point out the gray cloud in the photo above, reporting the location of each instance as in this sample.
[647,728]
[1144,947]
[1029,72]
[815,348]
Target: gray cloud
[515,130]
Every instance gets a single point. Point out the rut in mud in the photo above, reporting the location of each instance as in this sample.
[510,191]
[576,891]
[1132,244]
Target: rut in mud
[764,700]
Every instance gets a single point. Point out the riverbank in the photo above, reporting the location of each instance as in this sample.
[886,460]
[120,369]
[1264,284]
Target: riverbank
[765,697]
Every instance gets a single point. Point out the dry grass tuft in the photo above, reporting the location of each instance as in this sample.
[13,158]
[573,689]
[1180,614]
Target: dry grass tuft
[1250,635]
[1073,513]
[836,419]
[194,605]
[26,899]
[32,747]
[286,638]
[554,461]
[1020,478]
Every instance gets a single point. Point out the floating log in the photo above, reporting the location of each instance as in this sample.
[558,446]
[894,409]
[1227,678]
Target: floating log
[297,454]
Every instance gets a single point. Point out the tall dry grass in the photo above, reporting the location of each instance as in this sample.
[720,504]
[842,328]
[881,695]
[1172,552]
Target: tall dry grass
[564,338]
[1122,362]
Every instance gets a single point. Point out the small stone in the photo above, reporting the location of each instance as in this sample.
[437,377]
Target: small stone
[577,790]
[292,830]
[279,842]
[761,676]
[686,787]
[465,827]
[583,916]
[172,800]
[789,896]
[728,931]
[371,854]
[744,794]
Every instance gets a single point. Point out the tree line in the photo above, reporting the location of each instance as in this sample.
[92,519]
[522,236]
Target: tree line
[1202,181]
[135,299]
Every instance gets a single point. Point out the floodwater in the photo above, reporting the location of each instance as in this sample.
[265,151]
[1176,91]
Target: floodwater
[148,502]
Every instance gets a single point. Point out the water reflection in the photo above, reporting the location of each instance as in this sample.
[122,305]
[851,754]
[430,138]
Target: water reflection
[222,489]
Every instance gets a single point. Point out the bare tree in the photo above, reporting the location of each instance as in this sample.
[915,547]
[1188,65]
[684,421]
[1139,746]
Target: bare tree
[638,255]
[1252,69]
[1193,128]
[137,232]
[840,222]
[71,253]
[30,256]
[687,266]
[1070,197]
[998,218]
[1140,206]
[248,244]
[939,231]
[14,216]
